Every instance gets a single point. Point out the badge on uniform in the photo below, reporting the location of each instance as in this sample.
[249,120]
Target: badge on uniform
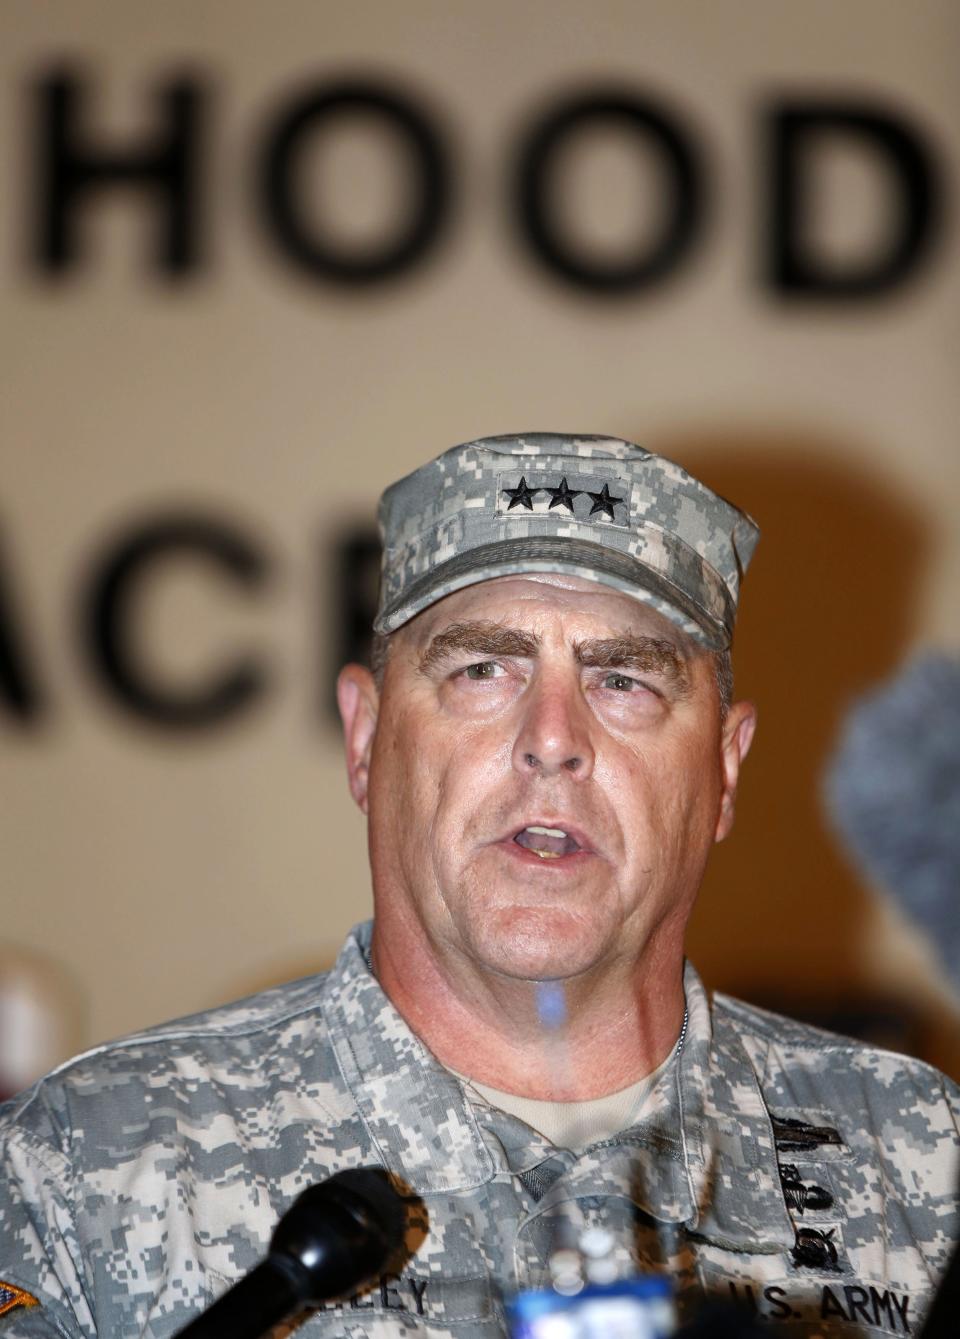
[11,1297]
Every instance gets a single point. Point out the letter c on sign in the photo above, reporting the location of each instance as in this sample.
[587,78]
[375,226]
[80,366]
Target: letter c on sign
[108,621]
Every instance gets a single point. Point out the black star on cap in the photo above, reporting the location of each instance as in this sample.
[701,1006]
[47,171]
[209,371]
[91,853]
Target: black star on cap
[562,496]
[521,495]
[602,501]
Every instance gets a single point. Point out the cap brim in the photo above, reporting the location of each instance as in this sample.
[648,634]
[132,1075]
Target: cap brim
[575,557]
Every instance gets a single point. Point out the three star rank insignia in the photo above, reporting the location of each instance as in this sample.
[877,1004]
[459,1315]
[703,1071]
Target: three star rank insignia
[602,503]
[11,1297]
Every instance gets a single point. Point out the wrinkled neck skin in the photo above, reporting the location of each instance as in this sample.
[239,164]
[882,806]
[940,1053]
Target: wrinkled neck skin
[622,1019]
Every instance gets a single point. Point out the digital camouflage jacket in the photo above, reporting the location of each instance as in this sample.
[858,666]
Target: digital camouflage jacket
[811,1177]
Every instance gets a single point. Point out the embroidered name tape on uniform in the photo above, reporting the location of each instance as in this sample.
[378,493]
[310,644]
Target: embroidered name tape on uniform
[11,1298]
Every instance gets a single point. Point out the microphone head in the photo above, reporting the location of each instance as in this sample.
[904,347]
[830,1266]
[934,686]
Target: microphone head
[342,1232]
[893,794]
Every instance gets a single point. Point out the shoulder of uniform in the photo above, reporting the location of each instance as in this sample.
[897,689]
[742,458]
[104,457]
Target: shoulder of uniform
[788,1033]
[778,1027]
[275,1037]
[217,1030]
[252,1013]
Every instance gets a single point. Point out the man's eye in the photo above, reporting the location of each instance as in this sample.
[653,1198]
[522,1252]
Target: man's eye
[622,682]
[484,669]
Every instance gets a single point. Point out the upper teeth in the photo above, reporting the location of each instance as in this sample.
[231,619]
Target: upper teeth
[547,832]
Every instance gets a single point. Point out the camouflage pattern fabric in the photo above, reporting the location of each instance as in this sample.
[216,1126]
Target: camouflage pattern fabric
[593,507]
[812,1177]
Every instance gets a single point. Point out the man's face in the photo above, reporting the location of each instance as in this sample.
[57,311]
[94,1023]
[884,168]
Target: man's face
[523,704]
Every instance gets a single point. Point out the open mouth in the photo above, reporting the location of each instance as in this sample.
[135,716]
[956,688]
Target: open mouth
[547,843]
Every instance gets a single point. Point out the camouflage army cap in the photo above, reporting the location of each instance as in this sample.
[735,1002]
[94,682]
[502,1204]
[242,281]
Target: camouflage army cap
[594,507]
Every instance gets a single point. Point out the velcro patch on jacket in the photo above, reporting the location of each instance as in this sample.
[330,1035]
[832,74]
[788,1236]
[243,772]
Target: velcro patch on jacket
[11,1297]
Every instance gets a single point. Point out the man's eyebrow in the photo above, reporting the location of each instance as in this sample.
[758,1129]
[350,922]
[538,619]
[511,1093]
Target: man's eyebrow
[648,655]
[481,638]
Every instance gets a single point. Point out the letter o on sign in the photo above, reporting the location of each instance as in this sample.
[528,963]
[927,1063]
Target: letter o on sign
[535,192]
[429,184]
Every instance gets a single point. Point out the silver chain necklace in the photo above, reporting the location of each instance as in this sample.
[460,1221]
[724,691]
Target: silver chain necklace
[683,1034]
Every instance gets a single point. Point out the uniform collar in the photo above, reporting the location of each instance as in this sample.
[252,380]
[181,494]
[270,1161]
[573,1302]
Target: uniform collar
[414,1109]
[703,1157]
[729,1153]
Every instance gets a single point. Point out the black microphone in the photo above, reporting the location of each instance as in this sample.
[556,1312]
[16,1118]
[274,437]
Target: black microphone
[334,1236]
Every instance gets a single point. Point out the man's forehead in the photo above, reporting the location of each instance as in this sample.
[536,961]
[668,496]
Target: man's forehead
[526,600]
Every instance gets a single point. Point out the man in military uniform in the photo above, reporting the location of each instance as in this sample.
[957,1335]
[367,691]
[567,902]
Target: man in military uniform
[546,749]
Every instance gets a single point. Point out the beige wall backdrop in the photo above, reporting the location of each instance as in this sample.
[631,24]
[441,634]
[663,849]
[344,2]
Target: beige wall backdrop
[162,871]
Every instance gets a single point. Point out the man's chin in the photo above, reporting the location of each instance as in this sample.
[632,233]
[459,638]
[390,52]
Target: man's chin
[536,943]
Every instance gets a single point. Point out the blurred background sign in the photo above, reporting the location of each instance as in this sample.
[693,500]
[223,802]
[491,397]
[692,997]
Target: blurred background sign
[258,262]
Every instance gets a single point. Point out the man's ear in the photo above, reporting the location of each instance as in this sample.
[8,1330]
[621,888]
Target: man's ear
[359,702]
[736,738]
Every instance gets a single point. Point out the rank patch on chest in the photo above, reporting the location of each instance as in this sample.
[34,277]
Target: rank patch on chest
[12,1297]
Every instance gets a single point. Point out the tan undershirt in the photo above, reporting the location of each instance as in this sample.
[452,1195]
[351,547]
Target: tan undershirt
[576,1125]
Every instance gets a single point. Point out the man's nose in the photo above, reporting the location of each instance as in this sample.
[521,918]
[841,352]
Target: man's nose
[555,730]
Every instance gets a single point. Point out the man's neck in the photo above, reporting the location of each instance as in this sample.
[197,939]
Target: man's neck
[620,1024]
